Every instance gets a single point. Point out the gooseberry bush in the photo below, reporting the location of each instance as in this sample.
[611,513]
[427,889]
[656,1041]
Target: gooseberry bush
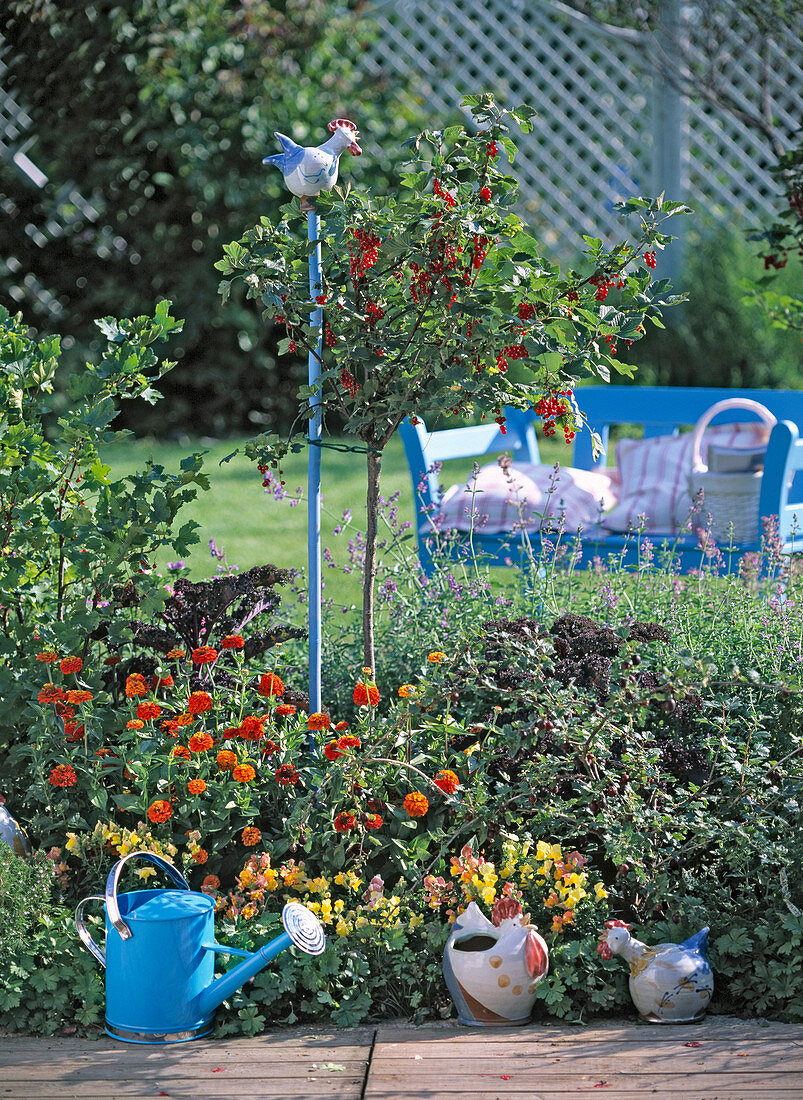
[437,300]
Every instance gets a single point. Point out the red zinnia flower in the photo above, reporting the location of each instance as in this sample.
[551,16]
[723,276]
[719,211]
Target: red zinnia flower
[366,695]
[78,695]
[170,726]
[416,804]
[73,732]
[285,710]
[204,655]
[268,747]
[48,657]
[148,711]
[161,681]
[333,750]
[345,822]
[181,752]
[270,684]
[286,775]
[200,742]
[199,702]
[349,741]
[243,773]
[250,836]
[226,760]
[446,781]
[341,726]
[232,641]
[160,810]
[63,776]
[196,786]
[71,664]
[373,821]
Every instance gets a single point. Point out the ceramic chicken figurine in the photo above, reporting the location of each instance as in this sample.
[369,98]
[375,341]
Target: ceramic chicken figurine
[309,171]
[671,983]
[492,968]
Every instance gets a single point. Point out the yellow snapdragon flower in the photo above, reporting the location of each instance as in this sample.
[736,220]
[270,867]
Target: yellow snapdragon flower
[600,891]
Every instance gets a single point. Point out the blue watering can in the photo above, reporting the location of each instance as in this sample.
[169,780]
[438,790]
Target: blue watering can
[160,957]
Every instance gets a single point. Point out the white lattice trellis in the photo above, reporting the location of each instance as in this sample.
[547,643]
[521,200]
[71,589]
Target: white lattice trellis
[613,117]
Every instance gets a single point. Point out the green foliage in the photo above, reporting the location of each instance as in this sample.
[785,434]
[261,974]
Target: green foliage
[75,542]
[161,112]
[718,338]
[26,887]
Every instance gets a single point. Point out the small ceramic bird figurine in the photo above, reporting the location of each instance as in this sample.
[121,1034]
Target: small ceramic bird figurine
[309,171]
[12,833]
[669,984]
[492,968]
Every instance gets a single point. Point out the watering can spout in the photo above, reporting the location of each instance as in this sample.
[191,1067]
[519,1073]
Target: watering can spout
[301,928]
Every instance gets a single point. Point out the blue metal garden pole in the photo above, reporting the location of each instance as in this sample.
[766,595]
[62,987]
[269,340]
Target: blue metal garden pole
[314,469]
[306,173]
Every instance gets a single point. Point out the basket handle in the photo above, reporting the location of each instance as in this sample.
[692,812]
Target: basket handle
[113,909]
[722,406]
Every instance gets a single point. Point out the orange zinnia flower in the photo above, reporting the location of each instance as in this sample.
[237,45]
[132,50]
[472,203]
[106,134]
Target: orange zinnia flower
[406,691]
[47,657]
[200,855]
[161,681]
[63,776]
[349,741]
[319,721]
[345,822]
[366,695]
[148,711]
[251,728]
[134,724]
[204,655]
[71,664]
[285,710]
[78,695]
[170,727]
[185,719]
[251,836]
[199,702]
[135,685]
[436,657]
[200,742]
[160,811]
[174,654]
[286,775]
[416,804]
[196,786]
[181,752]
[226,760]
[243,773]
[73,732]
[333,750]
[270,684]
[446,781]
[373,821]
[232,641]
[211,882]
[50,693]
[341,726]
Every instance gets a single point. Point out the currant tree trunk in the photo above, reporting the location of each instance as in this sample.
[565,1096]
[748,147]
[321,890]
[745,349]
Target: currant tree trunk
[374,461]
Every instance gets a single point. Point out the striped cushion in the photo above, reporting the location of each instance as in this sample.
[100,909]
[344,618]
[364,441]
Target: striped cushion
[653,476]
[520,497]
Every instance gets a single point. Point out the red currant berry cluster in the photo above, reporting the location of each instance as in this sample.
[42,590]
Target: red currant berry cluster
[526,311]
[349,382]
[650,260]
[320,299]
[448,199]
[500,420]
[552,408]
[485,194]
[420,283]
[279,319]
[479,250]
[603,283]
[501,363]
[366,253]
[328,335]
[572,296]
[609,340]
[516,351]
[492,150]
[373,312]
[775,261]
[292,346]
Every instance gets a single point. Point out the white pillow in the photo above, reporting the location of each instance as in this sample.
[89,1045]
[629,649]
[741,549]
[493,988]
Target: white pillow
[653,473]
[504,500]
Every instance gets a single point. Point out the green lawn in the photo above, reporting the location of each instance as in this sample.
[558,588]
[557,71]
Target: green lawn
[254,528]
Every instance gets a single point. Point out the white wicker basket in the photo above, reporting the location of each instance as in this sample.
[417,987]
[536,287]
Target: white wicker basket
[730,499]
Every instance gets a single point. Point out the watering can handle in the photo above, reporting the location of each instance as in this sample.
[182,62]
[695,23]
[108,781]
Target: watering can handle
[83,932]
[113,909]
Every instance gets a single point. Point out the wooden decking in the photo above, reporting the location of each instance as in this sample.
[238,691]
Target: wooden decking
[719,1059]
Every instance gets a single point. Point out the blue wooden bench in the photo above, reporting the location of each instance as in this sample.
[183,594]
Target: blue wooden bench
[660,410]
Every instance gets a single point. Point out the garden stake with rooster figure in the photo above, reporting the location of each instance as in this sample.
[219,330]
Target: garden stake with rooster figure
[306,173]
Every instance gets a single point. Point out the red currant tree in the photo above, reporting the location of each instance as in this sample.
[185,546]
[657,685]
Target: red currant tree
[437,300]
